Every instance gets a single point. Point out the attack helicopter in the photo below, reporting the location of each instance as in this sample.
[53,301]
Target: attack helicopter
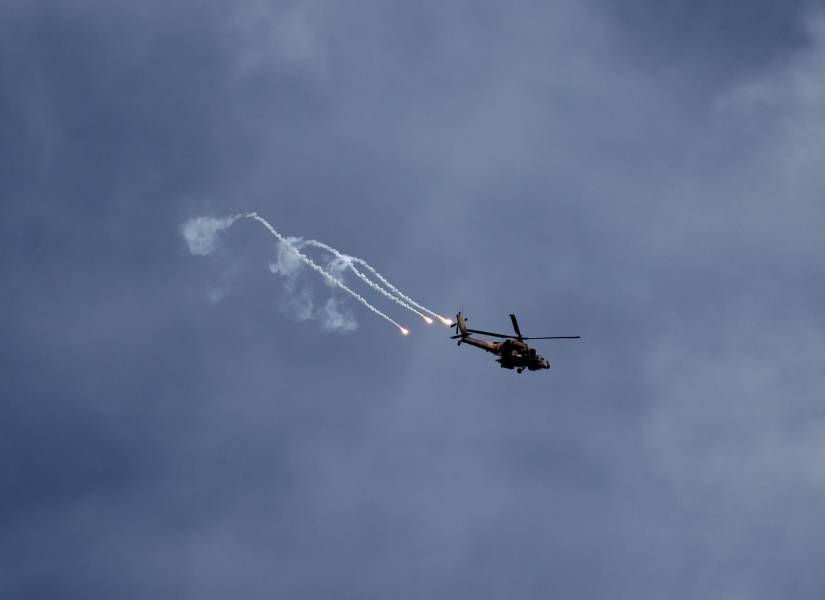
[513,352]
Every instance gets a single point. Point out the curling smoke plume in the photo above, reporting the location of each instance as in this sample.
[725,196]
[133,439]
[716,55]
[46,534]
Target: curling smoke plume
[201,235]
[398,298]
[311,264]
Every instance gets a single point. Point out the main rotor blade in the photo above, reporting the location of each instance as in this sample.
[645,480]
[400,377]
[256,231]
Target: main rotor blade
[501,335]
[515,326]
[554,337]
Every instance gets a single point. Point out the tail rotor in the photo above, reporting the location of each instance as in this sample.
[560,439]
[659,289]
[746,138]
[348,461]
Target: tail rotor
[460,327]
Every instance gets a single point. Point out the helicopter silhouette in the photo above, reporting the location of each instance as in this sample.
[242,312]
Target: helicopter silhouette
[513,352]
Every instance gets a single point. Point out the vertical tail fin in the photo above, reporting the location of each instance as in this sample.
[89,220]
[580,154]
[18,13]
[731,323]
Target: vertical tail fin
[460,324]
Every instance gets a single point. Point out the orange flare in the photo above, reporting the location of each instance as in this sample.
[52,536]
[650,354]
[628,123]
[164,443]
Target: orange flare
[404,331]
[428,320]
[447,322]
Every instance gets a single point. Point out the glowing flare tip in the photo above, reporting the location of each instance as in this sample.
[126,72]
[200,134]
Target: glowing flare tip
[404,331]
[447,322]
[428,320]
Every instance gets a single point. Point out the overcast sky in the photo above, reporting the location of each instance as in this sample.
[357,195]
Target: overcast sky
[646,174]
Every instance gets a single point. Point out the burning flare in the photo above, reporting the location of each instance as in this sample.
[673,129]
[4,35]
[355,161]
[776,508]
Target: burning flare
[404,331]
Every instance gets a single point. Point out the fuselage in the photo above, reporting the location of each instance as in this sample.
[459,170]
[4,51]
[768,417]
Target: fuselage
[513,354]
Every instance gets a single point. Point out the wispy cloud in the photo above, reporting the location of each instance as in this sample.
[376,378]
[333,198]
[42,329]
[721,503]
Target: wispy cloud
[201,233]
[337,318]
[202,237]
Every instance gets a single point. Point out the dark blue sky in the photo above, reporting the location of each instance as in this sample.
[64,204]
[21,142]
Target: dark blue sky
[648,176]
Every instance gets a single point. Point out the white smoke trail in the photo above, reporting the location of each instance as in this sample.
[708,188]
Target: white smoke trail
[399,297]
[400,294]
[311,264]
[349,260]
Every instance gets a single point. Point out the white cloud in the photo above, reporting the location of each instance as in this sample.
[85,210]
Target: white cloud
[201,236]
[300,299]
[301,302]
[338,268]
[336,318]
[201,233]
[287,262]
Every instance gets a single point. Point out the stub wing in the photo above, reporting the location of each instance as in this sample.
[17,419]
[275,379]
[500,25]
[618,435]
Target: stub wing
[493,347]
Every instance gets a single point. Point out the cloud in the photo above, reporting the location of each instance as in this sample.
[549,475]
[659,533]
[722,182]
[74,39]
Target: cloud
[300,299]
[338,268]
[336,318]
[287,262]
[492,155]
[201,233]
[201,236]
[216,294]
[298,38]
[271,39]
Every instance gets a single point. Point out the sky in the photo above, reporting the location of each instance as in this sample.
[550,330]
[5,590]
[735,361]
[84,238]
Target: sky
[647,175]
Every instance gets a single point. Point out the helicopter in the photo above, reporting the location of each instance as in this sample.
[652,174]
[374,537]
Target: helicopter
[513,352]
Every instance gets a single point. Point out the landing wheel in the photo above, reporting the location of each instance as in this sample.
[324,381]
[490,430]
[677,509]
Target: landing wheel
[519,371]
[458,343]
